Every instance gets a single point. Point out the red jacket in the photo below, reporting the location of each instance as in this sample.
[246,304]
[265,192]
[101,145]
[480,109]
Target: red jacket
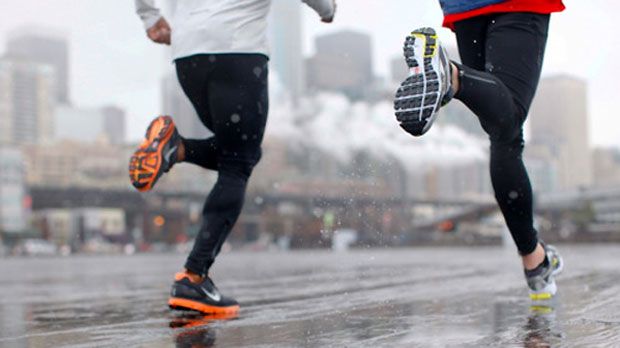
[534,6]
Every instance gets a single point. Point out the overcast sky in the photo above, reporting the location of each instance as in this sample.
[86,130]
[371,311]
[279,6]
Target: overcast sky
[113,63]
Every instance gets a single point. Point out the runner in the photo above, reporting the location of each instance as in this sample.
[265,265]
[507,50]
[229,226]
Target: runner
[502,44]
[221,57]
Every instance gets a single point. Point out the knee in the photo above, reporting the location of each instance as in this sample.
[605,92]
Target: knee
[241,166]
[505,150]
[252,161]
[507,131]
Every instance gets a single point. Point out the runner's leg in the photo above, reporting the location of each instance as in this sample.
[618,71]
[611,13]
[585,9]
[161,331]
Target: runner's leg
[510,48]
[237,99]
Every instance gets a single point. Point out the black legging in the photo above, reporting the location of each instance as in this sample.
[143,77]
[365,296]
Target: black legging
[229,93]
[502,56]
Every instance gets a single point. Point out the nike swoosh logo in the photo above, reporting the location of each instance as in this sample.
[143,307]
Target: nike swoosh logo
[169,153]
[215,296]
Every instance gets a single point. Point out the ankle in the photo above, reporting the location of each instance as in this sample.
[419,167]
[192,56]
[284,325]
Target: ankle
[181,151]
[534,259]
[194,277]
[456,82]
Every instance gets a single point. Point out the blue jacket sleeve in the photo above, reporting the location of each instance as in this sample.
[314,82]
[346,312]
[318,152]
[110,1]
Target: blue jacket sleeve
[459,6]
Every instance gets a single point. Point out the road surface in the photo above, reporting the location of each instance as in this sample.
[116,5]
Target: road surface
[426,297]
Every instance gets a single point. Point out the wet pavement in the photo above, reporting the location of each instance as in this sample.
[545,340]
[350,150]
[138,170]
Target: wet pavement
[427,297]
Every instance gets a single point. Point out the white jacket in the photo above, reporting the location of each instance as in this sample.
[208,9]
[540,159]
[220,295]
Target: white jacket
[220,26]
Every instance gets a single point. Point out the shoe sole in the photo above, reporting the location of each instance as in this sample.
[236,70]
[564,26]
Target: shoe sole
[185,304]
[418,98]
[545,294]
[143,171]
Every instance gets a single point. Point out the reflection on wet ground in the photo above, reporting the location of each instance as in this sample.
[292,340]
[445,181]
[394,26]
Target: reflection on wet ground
[430,297]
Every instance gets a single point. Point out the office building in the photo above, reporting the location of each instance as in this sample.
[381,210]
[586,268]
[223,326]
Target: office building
[114,125]
[343,63]
[26,102]
[559,122]
[43,46]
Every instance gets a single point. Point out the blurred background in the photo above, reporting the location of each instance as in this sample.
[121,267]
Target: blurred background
[79,82]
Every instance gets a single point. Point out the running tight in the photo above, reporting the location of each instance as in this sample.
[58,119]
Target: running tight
[229,93]
[502,57]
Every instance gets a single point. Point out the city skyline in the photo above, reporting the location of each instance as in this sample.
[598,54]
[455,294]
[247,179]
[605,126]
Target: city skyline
[122,76]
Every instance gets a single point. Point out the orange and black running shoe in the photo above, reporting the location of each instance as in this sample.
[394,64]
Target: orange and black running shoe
[156,155]
[203,297]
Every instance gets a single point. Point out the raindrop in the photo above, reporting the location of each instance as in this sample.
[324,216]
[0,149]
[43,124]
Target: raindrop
[513,195]
[212,58]
[235,118]
[475,41]
[244,137]
[258,71]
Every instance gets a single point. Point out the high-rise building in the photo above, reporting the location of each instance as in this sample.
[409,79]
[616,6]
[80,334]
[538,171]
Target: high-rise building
[6,102]
[285,35]
[177,105]
[559,122]
[26,101]
[12,191]
[114,124]
[43,46]
[343,62]
[606,167]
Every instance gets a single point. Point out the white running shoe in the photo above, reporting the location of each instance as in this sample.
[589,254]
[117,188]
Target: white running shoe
[429,85]
[542,280]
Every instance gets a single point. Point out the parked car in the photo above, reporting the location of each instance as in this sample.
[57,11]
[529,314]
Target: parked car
[36,247]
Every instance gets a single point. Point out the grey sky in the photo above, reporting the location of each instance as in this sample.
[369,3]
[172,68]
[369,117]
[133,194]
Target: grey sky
[112,62]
